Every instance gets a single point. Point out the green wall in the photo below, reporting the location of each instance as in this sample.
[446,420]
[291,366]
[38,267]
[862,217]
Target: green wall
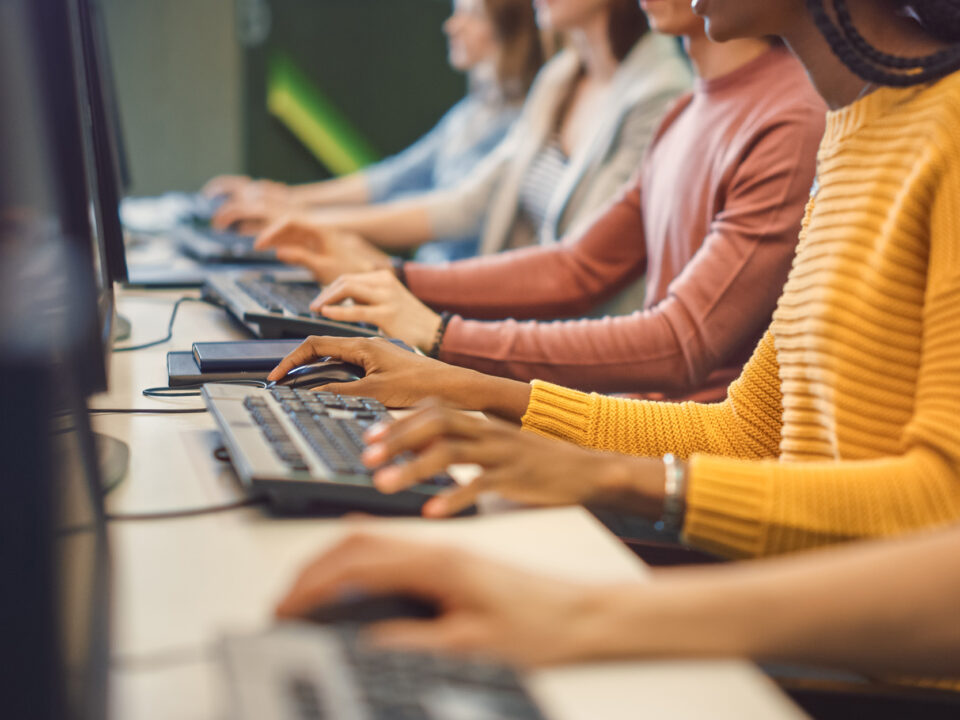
[192,80]
[381,63]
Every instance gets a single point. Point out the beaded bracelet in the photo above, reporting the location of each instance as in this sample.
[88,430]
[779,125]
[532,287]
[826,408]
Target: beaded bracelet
[445,318]
[675,491]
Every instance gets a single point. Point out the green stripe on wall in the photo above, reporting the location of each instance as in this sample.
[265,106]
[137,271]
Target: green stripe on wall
[296,102]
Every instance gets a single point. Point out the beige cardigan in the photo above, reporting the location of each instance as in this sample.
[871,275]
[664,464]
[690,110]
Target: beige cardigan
[652,75]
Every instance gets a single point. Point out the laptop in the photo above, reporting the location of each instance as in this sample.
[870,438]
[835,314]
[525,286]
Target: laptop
[299,671]
[300,450]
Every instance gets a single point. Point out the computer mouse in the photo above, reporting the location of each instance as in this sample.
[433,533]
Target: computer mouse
[321,373]
[362,609]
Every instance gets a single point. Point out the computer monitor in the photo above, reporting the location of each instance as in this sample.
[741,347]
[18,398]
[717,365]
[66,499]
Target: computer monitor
[43,165]
[98,95]
[53,542]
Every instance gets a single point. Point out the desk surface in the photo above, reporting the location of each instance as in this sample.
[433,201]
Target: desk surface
[180,584]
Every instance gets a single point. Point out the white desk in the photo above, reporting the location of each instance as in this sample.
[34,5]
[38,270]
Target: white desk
[179,584]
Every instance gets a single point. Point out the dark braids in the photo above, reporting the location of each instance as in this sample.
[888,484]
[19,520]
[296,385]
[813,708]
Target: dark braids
[940,18]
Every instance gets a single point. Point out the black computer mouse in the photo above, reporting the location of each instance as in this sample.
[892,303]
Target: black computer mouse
[362,609]
[320,373]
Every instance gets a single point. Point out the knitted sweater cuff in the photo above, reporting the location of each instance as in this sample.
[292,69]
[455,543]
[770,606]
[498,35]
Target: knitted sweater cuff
[726,501]
[559,412]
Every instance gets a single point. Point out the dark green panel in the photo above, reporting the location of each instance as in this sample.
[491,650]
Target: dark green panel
[381,62]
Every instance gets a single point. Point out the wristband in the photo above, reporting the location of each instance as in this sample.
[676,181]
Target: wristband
[445,318]
[675,491]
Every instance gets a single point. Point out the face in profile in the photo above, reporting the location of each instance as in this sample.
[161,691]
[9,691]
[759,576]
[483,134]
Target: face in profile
[470,35]
[730,19]
[562,15]
[672,17]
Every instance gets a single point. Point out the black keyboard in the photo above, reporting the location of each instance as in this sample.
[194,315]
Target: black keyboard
[417,686]
[336,439]
[294,297]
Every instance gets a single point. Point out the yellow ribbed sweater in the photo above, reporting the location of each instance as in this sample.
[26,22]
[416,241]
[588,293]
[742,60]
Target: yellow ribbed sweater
[846,421]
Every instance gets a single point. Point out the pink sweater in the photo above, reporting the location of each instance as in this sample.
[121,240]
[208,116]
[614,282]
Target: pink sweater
[712,218]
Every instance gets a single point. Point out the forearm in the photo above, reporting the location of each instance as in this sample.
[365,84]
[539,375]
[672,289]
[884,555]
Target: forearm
[393,226]
[471,390]
[563,280]
[746,425]
[888,608]
[635,353]
[347,190]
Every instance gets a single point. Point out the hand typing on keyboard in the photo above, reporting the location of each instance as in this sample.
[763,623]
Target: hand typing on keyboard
[379,298]
[333,427]
[521,466]
[324,250]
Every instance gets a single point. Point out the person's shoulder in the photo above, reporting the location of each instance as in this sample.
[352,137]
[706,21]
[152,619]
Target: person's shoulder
[941,100]
[791,84]
[558,70]
[656,61]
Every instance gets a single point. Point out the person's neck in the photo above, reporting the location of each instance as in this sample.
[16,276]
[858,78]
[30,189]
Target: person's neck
[712,60]
[592,42]
[482,81]
[838,85]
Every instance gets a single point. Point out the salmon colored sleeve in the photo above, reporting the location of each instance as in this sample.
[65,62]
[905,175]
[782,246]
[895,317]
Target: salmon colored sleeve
[716,307]
[563,280]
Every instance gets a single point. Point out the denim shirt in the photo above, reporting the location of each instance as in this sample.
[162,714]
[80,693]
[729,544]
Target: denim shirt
[441,159]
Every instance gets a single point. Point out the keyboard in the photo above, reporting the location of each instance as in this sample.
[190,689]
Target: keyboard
[276,304]
[218,246]
[302,450]
[341,677]
[294,297]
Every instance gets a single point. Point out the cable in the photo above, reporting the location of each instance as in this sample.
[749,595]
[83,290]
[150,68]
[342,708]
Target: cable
[169,335]
[194,390]
[146,411]
[169,392]
[190,512]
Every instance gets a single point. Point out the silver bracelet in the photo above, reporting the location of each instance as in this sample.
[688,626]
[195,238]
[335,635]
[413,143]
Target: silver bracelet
[674,500]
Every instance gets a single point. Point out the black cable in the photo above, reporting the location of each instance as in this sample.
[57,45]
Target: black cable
[146,411]
[169,335]
[194,390]
[189,512]
[169,392]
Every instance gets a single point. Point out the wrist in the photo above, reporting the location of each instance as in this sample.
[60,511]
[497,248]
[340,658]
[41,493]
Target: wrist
[629,485]
[472,390]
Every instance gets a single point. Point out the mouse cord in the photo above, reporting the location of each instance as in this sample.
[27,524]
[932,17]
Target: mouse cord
[187,512]
[169,335]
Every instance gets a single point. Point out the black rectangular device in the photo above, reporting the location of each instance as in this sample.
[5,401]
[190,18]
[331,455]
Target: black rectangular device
[242,355]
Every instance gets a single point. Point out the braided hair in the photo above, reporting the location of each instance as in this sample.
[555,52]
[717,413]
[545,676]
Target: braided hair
[941,18]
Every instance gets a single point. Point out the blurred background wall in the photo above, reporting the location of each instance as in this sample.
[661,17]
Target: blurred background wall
[194,77]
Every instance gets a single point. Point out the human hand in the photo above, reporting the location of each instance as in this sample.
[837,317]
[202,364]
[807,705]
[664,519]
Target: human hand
[227,185]
[394,376]
[379,298]
[249,213]
[476,597]
[516,464]
[325,251]
[399,378]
